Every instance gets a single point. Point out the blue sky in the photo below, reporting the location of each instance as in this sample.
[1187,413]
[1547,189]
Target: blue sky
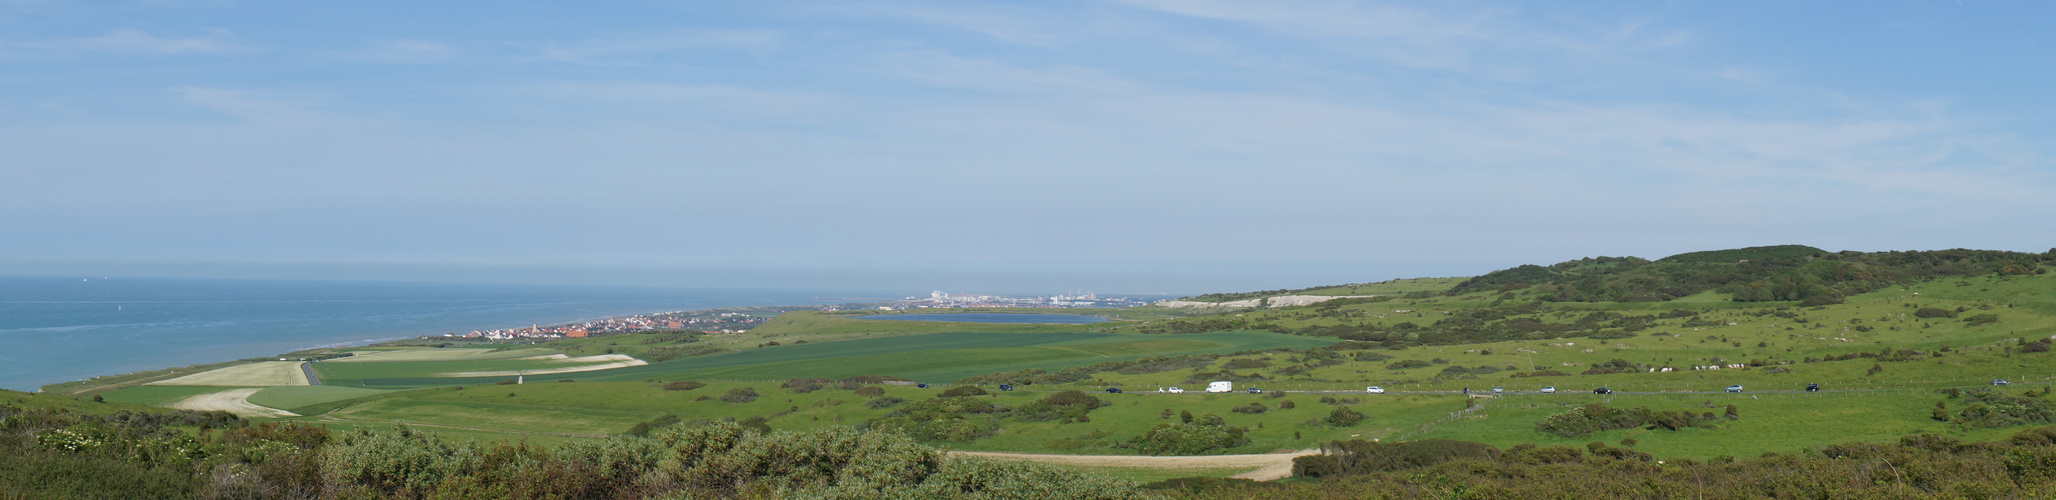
[1027,146]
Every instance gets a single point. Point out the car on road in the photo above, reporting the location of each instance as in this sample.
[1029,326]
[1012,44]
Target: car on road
[2000,381]
[1548,390]
[923,386]
[1602,390]
[1735,388]
[1497,390]
[1254,390]
[1006,387]
[1113,390]
[1374,390]
[1812,387]
[1175,390]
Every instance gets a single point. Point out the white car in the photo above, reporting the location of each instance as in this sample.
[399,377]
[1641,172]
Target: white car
[1374,390]
[1548,390]
[1175,390]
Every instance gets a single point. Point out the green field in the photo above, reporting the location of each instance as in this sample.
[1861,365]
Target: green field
[296,399]
[158,395]
[946,357]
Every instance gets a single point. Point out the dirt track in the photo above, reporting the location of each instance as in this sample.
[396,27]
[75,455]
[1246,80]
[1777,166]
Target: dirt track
[1274,465]
[235,401]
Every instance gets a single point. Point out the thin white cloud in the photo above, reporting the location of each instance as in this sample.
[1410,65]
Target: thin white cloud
[399,51]
[943,69]
[626,48]
[136,42]
[268,109]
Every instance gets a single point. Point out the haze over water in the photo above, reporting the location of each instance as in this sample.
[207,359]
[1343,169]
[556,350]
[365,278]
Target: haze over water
[58,329]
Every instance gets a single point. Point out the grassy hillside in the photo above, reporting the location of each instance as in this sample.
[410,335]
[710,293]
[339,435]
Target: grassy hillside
[1901,343]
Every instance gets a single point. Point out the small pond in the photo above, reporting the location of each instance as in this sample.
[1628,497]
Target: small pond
[1069,319]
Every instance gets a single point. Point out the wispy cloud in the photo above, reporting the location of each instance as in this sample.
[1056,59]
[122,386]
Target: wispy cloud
[625,48]
[135,42]
[399,51]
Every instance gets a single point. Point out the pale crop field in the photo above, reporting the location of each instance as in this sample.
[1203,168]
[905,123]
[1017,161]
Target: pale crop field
[261,374]
[439,354]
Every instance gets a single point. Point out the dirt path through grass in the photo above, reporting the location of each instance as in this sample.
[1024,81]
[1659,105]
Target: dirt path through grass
[1273,465]
[235,401]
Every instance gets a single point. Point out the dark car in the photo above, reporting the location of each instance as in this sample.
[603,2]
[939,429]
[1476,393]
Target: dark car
[923,386]
[1812,387]
[1254,390]
[1602,390]
[1113,390]
[1006,387]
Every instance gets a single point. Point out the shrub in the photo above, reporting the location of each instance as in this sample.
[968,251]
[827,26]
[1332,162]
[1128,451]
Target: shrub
[684,385]
[805,385]
[1988,409]
[885,402]
[1253,408]
[740,395]
[944,419]
[1355,457]
[1244,364]
[1286,405]
[1188,439]
[1067,405]
[1408,364]
[1981,320]
[1344,417]
[870,390]
[2036,346]
[1932,312]
[1599,417]
[962,391]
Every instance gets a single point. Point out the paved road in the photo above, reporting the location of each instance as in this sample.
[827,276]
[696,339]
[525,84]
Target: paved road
[312,379]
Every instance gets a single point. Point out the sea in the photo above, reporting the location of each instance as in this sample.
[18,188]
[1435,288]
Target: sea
[57,329]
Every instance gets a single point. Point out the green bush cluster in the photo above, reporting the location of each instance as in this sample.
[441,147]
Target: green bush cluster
[1208,433]
[1990,409]
[1354,457]
[1600,417]
[1916,467]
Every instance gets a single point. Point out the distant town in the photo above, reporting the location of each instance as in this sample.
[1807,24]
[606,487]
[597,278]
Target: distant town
[740,319]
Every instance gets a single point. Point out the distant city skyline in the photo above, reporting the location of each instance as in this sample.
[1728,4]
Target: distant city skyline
[1124,147]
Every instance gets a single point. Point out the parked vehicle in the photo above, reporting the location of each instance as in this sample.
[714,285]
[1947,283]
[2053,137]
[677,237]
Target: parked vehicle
[1254,390]
[1113,390]
[1175,390]
[1006,387]
[1374,390]
[1735,388]
[1812,387]
[2000,381]
[1220,386]
[1602,390]
[1548,390]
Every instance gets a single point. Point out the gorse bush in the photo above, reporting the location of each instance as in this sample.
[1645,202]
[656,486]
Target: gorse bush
[1600,417]
[1916,467]
[684,385]
[740,395]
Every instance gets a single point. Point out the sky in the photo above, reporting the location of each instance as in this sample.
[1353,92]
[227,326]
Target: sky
[1133,147]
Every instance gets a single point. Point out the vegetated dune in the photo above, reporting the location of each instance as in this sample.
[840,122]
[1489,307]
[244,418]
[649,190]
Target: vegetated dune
[261,374]
[604,362]
[235,401]
[1272,465]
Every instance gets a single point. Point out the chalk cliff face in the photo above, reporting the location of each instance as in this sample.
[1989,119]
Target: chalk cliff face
[1278,301]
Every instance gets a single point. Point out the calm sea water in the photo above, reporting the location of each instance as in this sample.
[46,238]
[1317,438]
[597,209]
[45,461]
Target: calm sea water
[59,329]
[1069,319]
